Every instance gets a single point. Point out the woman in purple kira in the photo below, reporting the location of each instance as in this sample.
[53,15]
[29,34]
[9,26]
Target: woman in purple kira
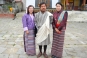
[28,26]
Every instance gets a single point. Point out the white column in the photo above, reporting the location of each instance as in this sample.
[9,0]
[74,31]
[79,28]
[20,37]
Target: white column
[30,2]
[54,3]
[59,1]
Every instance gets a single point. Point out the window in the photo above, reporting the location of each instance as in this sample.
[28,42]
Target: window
[48,2]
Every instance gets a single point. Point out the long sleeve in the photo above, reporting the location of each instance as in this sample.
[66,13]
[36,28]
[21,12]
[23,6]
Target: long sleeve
[63,23]
[24,22]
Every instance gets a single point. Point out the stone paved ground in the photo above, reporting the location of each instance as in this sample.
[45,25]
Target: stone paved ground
[75,45]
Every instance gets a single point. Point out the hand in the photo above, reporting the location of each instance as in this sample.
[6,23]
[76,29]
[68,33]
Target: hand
[27,32]
[57,31]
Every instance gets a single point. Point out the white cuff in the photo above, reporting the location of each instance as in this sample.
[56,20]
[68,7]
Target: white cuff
[25,28]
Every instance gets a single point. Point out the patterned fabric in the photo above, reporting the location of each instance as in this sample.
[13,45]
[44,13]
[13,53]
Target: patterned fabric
[29,43]
[58,41]
[40,19]
[60,18]
[55,20]
[46,42]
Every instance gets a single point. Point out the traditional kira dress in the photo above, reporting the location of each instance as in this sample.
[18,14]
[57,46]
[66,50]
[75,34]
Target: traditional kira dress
[29,40]
[59,22]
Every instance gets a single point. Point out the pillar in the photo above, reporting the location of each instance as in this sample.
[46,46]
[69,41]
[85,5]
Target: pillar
[84,2]
[67,2]
[64,4]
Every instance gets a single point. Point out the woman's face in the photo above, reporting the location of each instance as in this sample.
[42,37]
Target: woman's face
[58,7]
[31,10]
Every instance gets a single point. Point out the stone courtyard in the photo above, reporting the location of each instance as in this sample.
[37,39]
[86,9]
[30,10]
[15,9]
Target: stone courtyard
[75,45]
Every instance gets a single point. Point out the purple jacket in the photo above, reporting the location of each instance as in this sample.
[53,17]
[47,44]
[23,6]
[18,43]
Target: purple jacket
[28,22]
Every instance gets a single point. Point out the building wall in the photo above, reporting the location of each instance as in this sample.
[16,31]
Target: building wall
[49,3]
[76,3]
[28,2]
[2,1]
[54,3]
[24,4]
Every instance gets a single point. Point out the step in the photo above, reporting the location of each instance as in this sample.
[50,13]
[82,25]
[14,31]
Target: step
[72,15]
[77,16]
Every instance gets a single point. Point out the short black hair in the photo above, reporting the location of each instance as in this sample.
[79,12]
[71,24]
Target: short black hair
[42,4]
[59,3]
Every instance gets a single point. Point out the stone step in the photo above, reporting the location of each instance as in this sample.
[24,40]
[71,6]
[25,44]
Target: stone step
[72,15]
[77,16]
[20,14]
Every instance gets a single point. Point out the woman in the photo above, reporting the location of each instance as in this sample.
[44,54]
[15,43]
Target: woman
[29,26]
[59,26]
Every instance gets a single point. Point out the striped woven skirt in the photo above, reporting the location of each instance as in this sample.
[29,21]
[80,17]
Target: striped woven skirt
[57,45]
[29,43]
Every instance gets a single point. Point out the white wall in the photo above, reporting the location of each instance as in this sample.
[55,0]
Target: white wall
[54,3]
[30,2]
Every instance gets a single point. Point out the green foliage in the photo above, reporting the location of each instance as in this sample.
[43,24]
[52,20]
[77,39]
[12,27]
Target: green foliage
[7,6]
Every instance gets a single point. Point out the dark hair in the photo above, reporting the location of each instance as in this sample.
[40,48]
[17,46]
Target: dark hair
[59,3]
[28,9]
[42,4]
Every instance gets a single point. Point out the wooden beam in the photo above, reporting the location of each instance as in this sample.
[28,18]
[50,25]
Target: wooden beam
[48,3]
[84,2]
[67,2]
[64,4]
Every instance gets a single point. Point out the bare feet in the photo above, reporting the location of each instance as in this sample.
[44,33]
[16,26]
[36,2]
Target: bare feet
[45,55]
[39,55]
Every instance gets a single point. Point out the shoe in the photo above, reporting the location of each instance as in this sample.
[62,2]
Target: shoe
[39,55]
[45,55]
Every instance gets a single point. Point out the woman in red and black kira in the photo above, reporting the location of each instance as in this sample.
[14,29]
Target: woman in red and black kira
[59,26]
